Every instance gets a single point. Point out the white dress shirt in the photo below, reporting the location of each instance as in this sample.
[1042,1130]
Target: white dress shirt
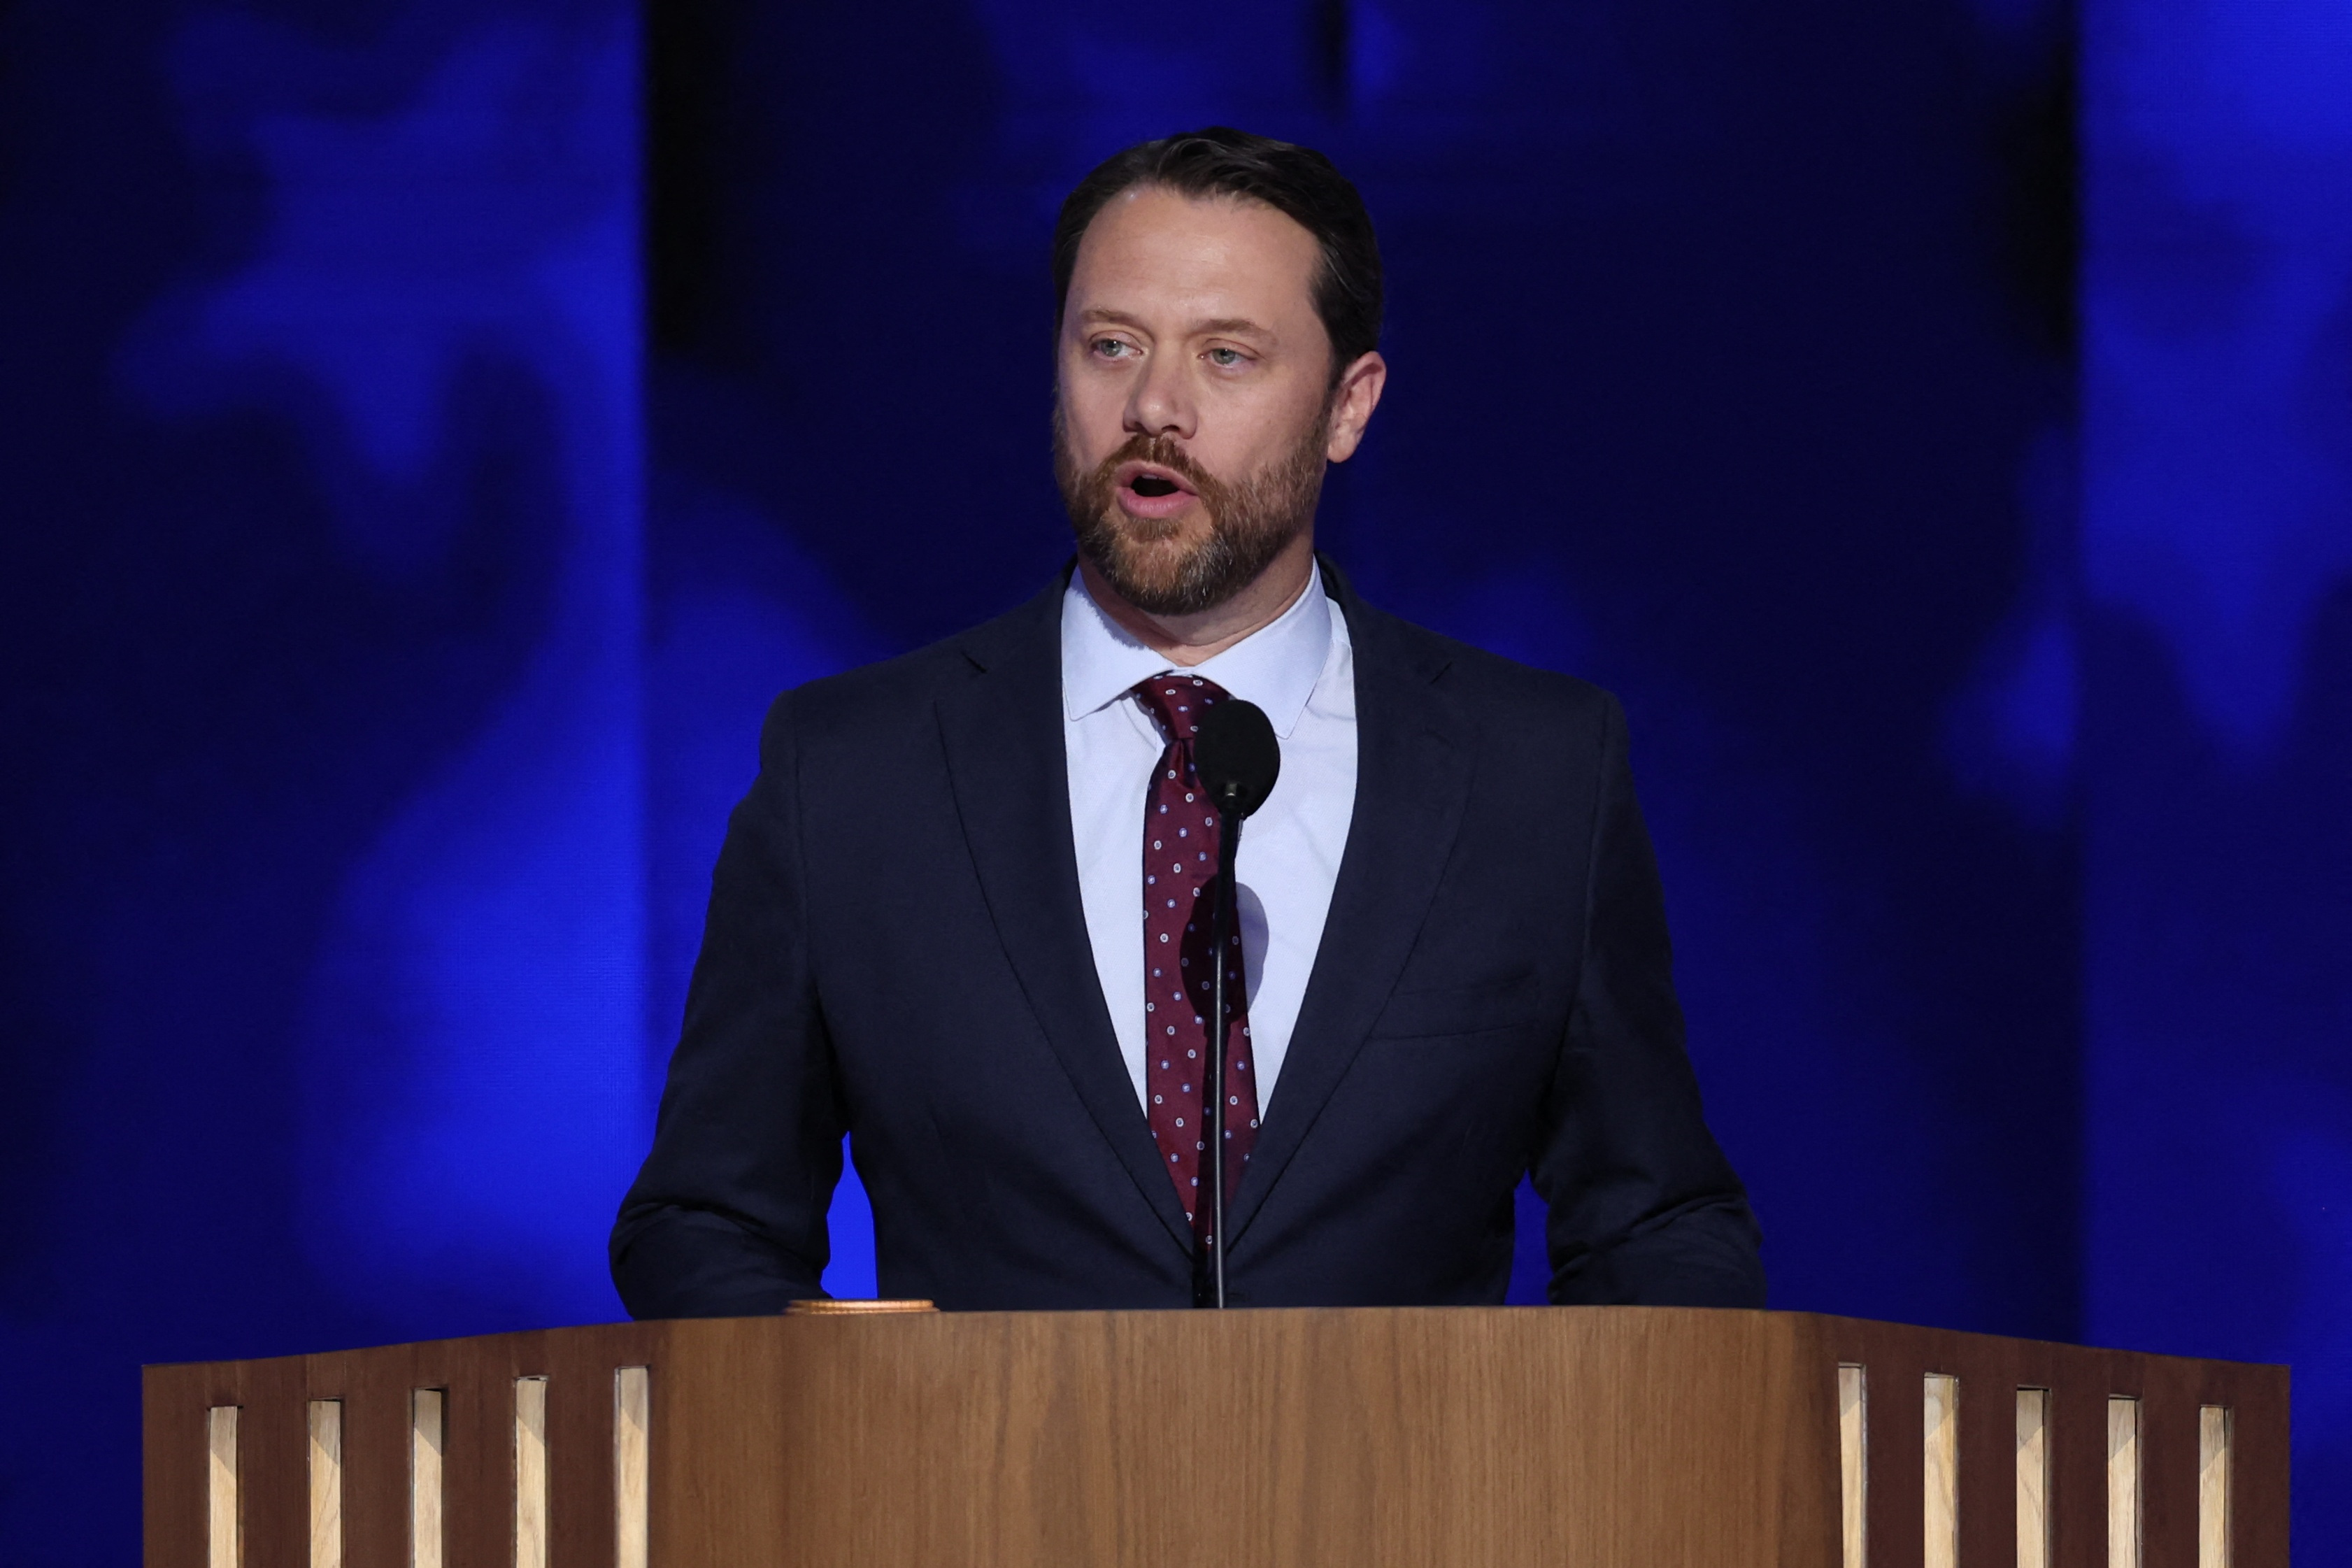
[1301,670]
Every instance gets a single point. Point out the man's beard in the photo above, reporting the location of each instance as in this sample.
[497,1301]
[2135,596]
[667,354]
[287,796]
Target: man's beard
[1251,520]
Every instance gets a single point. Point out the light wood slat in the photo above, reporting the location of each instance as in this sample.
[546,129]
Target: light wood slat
[1853,1465]
[632,1465]
[223,1541]
[427,1408]
[2213,1486]
[530,1472]
[1940,1498]
[325,1483]
[2033,1478]
[2123,1482]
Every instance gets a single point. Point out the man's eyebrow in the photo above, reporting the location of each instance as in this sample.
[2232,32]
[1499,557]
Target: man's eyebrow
[1225,326]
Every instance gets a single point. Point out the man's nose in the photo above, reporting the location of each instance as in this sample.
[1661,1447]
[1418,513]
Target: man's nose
[1161,404]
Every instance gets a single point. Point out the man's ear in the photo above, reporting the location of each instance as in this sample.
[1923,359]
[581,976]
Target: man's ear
[1353,402]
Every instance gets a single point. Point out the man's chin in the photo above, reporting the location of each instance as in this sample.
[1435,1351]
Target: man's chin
[1155,587]
[1142,535]
[1154,571]
[1182,565]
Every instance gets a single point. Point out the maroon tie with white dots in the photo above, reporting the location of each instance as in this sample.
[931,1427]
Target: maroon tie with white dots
[1180,839]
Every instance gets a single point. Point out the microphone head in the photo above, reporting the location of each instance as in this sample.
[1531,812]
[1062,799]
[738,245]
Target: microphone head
[1236,755]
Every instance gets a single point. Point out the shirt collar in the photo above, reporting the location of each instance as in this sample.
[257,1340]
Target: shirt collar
[1276,667]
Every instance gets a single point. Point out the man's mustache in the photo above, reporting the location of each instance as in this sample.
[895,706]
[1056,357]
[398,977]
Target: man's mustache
[1162,452]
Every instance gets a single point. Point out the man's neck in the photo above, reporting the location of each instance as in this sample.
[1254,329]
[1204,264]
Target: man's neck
[1188,641]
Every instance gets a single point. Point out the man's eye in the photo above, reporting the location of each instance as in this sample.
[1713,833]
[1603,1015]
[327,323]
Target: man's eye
[1110,348]
[1225,358]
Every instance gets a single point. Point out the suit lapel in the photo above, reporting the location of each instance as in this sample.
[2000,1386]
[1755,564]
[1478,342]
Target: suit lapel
[1003,735]
[1413,781]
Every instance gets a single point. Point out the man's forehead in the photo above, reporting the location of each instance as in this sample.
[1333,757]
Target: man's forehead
[1216,246]
[1163,208]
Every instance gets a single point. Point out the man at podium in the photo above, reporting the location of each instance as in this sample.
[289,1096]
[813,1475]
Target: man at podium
[955,917]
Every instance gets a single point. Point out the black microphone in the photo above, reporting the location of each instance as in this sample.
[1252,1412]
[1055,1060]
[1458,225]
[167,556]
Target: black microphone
[1237,760]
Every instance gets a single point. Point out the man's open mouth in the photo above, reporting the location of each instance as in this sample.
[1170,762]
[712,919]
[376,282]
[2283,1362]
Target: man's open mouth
[1152,482]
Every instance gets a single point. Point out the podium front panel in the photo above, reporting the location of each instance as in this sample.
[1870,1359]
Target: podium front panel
[1646,1436]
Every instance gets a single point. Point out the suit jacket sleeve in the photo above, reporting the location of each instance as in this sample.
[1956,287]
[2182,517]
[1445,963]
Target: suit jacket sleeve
[728,1215]
[1644,1209]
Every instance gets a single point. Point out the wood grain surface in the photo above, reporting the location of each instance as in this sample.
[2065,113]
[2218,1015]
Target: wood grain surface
[1588,1436]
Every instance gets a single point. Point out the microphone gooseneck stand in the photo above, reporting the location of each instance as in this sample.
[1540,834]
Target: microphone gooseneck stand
[1237,758]
[1221,924]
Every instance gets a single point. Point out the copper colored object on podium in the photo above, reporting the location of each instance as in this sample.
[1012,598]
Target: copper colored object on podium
[851,1306]
[1607,1437]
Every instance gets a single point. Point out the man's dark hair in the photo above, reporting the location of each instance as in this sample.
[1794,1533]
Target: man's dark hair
[1296,181]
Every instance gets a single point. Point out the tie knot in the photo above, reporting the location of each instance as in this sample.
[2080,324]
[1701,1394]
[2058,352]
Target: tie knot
[1178,700]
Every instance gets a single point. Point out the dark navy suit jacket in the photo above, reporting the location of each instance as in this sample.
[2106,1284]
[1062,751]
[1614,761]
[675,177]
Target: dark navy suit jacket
[896,949]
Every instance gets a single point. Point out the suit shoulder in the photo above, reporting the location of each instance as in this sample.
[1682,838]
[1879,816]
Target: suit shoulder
[874,691]
[881,697]
[1500,686]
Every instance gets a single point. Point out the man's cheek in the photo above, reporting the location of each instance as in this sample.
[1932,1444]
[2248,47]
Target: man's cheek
[1095,418]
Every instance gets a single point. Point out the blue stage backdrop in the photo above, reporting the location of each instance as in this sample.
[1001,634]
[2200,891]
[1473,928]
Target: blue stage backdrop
[2213,638]
[433,432]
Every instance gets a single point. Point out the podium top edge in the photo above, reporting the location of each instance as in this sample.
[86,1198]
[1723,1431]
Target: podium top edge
[1828,1326]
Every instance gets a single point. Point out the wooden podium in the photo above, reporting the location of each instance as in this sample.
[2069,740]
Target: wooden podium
[1639,1437]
